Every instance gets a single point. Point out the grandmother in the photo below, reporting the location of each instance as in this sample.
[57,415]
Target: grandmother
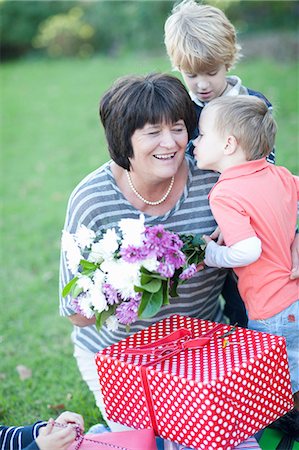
[148,121]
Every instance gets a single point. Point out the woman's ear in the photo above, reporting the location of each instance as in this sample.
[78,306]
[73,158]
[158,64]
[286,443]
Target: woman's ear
[231,145]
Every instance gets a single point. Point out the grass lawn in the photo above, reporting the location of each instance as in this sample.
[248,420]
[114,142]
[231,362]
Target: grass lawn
[50,139]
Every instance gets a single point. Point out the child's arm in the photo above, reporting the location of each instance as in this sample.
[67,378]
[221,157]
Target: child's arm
[240,254]
[20,437]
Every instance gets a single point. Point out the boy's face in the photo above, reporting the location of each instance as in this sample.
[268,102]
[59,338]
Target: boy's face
[210,144]
[206,85]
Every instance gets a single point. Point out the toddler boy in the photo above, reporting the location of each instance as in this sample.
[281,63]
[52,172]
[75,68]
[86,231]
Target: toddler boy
[255,206]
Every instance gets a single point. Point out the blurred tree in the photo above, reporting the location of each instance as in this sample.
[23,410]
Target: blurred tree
[84,26]
[19,22]
[65,34]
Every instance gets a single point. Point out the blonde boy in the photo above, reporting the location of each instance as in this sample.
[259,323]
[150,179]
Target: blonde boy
[201,43]
[255,206]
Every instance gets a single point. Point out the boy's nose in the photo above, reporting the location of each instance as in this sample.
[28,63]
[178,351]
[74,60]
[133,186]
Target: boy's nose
[195,141]
[203,84]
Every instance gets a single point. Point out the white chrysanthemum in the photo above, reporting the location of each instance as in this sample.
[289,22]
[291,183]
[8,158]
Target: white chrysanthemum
[97,299]
[112,323]
[150,264]
[98,278]
[84,283]
[105,248]
[72,251]
[122,276]
[84,236]
[132,230]
[85,306]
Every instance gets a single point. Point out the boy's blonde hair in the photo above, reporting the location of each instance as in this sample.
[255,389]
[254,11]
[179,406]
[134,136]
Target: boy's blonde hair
[199,38]
[249,120]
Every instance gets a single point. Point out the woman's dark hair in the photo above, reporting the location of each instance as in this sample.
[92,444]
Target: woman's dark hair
[133,101]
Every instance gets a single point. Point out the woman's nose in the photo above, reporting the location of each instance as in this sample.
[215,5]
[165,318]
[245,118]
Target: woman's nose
[167,140]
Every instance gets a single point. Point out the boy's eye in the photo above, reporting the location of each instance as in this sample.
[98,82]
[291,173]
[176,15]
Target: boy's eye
[190,75]
[213,73]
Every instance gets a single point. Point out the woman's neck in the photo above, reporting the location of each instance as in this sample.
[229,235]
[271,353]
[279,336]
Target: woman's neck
[151,190]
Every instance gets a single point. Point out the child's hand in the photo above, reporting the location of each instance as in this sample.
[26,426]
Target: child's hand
[48,439]
[207,239]
[295,258]
[217,236]
[72,418]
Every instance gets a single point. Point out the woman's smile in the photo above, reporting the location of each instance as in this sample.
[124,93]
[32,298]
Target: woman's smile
[165,157]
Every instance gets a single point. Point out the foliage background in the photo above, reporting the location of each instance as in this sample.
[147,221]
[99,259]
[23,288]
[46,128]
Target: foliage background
[51,138]
[82,28]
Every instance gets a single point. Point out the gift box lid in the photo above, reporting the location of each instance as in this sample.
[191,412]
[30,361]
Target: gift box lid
[198,363]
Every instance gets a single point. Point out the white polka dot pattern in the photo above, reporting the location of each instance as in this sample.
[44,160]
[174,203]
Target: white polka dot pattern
[208,398]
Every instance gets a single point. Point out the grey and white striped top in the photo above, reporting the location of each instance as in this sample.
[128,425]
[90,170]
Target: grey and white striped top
[98,203]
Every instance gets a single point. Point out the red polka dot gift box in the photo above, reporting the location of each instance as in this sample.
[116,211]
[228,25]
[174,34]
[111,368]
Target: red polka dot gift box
[201,384]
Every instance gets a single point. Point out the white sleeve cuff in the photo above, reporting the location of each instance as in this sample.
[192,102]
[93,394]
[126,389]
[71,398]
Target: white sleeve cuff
[238,255]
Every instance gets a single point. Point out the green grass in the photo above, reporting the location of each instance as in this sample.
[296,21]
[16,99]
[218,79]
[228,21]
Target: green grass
[50,139]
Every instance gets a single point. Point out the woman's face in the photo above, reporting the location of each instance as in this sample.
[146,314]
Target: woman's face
[159,149]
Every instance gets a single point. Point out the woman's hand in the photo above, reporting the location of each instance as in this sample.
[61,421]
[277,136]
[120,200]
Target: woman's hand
[217,237]
[58,439]
[81,321]
[295,258]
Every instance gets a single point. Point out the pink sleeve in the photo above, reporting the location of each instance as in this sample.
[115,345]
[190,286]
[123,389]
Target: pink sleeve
[231,218]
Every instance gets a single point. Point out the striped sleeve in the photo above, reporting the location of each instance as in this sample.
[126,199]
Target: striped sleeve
[20,438]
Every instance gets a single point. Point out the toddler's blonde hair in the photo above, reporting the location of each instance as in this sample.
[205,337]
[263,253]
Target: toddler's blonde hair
[199,38]
[249,120]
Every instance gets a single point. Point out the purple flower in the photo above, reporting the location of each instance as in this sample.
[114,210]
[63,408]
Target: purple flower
[176,258]
[75,304]
[164,245]
[166,270]
[133,254]
[111,294]
[188,273]
[127,311]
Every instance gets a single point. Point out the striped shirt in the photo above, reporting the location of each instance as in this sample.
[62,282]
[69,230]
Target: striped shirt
[98,203]
[17,438]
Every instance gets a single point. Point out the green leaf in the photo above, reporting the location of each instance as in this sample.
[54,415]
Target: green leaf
[145,279]
[88,265]
[165,288]
[76,290]
[103,316]
[150,304]
[67,288]
[175,282]
[138,289]
[153,286]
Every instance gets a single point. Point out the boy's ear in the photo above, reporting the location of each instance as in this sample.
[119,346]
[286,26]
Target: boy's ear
[230,145]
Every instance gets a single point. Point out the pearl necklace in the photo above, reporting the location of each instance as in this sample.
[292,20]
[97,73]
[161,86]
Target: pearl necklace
[147,202]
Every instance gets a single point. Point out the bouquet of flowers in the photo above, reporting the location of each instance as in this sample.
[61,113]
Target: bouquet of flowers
[127,272]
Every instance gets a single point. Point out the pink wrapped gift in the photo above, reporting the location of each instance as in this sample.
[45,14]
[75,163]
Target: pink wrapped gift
[197,383]
[123,440]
